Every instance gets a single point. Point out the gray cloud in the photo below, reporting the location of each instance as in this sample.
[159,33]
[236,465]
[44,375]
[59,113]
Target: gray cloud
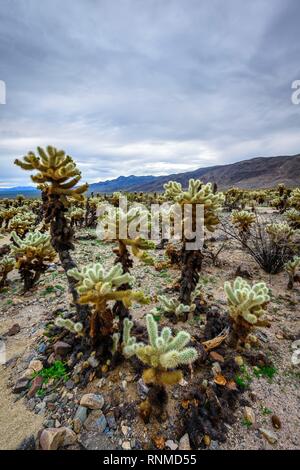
[150,87]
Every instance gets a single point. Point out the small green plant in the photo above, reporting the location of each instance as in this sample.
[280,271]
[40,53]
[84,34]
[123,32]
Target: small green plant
[247,423]
[56,371]
[265,371]
[266,411]
[244,378]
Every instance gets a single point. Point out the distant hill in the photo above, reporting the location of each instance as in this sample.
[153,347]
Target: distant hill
[261,172]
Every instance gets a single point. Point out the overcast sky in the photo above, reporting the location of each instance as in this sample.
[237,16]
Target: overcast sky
[148,86]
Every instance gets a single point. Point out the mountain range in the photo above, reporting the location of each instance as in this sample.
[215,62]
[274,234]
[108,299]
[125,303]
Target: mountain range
[260,172]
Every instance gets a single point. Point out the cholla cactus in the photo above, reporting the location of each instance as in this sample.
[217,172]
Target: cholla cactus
[292,267]
[243,221]
[22,223]
[31,253]
[97,287]
[293,218]
[197,193]
[171,307]
[7,264]
[247,305]
[279,232]
[77,216]
[76,328]
[57,173]
[294,200]
[163,352]
[7,214]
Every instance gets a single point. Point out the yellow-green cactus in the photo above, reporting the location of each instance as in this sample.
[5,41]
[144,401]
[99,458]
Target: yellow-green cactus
[294,200]
[171,307]
[197,193]
[7,264]
[293,218]
[247,305]
[98,287]
[279,232]
[76,328]
[31,253]
[163,352]
[242,220]
[292,267]
[57,173]
[22,223]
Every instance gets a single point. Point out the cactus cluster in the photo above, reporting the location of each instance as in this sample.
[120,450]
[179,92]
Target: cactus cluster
[163,352]
[97,286]
[68,324]
[279,232]
[22,223]
[7,264]
[292,267]
[293,218]
[247,305]
[294,200]
[170,306]
[242,220]
[197,193]
[57,173]
[31,253]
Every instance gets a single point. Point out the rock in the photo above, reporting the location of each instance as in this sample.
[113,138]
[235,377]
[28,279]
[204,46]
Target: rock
[28,374]
[216,356]
[36,366]
[81,413]
[77,425]
[125,430]
[92,401]
[142,388]
[15,329]
[52,438]
[70,437]
[243,271]
[276,422]
[216,369]
[111,422]
[269,435]
[42,348]
[35,386]
[249,414]
[95,441]
[126,445]
[27,444]
[184,443]
[171,445]
[95,422]
[69,384]
[21,385]
[214,445]
[61,348]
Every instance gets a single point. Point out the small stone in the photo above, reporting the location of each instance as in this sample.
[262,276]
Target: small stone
[70,437]
[35,365]
[214,445]
[216,356]
[216,369]
[269,435]
[276,422]
[111,421]
[21,385]
[95,422]
[28,374]
[77,425]
[69,384]
[184,443]
[92,401]
[142,388]
[126,445]
[15,329]
[125,430]
[93,362]
[81,413]
[52,438]
[124,384]
[61,348]
[42,348]
[249,414]
[35,386]
[171,445]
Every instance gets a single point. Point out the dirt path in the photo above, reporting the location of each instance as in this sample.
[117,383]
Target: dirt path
[16,422]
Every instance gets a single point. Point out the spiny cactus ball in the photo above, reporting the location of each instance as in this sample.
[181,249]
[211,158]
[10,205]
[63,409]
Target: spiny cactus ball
[245,301]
